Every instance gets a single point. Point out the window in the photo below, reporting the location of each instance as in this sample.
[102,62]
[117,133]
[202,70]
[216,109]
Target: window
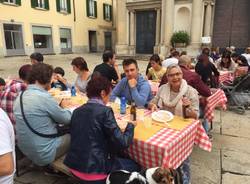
[40,4]
[63,6]
[107,12]
[91,8]
[14,2]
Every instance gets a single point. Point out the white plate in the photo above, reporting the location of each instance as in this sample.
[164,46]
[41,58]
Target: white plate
[162,116]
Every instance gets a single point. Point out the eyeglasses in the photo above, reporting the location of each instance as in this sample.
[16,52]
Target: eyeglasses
[174,74]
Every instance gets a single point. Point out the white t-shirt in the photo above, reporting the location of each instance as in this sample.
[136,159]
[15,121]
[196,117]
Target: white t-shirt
[7,143]
[247,56]
[170,61]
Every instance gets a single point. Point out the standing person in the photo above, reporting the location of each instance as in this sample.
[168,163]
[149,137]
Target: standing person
[81,68]
[172,60]
[7,150]
[96,138]
[156,71]
[12,90]
[36,57]
[133,87]
[40,117]
[109,67]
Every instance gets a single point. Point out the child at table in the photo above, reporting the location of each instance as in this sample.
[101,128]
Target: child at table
[58,80]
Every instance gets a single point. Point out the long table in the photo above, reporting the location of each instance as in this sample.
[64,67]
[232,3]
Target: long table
[167,147]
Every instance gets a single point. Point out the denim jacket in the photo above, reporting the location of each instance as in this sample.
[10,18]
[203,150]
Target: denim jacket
[42,112]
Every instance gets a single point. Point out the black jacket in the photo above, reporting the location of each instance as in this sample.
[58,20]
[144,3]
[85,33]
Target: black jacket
[95,138]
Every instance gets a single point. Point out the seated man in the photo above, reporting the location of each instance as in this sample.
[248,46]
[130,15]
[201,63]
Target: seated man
[7,149]
[109,67]
[36,57]
[9,95]
[133,87]
[38,122]
[2,84]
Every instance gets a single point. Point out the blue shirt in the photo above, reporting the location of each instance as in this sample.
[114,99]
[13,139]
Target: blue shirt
[140,94]
[42,112]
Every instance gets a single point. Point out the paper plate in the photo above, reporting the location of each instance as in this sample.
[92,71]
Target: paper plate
[162,116]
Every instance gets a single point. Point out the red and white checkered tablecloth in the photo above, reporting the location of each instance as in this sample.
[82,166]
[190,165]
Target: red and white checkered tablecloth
[216,99]
[226,76]
[168,147]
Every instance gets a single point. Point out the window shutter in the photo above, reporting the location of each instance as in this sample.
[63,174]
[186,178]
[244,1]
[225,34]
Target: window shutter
[111,12]
[18,2]
[104,12]
[68,6]
[58,5]
[95,4]
[46,4]
[87,7]
[33,3]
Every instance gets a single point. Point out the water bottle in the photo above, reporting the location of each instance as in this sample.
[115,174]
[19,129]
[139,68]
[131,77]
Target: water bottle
[123,105]
[73,91]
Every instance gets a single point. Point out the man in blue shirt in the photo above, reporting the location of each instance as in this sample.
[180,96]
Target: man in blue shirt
[133,87]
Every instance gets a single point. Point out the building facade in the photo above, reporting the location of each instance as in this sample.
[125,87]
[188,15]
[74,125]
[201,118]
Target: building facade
[232,24]
[55,26]
[146,26]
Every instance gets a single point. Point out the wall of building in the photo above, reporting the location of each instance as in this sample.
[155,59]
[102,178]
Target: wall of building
[28,16]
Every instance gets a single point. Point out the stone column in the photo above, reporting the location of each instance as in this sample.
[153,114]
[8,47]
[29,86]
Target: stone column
[169,21]
[132,28]
[157,31]
[208,20]
[167,24]
[121,28]
[196,24]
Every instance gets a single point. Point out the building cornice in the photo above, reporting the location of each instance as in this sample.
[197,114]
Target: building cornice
[142,5]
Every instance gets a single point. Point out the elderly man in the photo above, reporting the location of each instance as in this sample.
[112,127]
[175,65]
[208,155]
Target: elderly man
[133,87]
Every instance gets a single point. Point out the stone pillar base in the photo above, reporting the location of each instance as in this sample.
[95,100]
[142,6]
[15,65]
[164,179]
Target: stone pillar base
[131,50]
[164,50]
[194,49]
[122,49]
[157,49]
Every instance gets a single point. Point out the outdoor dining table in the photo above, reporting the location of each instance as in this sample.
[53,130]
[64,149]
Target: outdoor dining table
[159,144]
[154,86]
[217,99]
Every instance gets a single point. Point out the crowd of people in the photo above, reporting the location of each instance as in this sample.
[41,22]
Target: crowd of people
[31,118]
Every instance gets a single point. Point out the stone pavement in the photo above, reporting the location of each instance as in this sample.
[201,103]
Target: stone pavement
[228,163]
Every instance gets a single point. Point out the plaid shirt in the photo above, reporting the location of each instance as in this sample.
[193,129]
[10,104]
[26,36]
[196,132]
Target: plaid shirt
[8,96]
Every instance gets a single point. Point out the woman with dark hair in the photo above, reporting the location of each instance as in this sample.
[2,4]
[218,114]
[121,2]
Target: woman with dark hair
[226,63]
[156,71]
[96,138]
[81,68]
[37,114]
[207,70]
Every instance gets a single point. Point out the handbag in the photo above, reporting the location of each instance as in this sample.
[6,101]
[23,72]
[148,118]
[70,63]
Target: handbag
[61,128]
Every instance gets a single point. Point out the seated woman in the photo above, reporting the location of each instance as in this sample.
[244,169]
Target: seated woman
[172,97]
[96,138]
[226,63]
[41,114]
[207,70]
[156,71]
[81,68]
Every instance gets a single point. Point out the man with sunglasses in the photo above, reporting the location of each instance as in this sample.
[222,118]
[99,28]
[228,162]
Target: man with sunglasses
[133,87]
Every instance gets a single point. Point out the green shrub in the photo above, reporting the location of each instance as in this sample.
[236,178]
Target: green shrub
[180,37]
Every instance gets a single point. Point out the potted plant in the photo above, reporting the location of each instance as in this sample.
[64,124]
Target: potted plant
[180,39]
